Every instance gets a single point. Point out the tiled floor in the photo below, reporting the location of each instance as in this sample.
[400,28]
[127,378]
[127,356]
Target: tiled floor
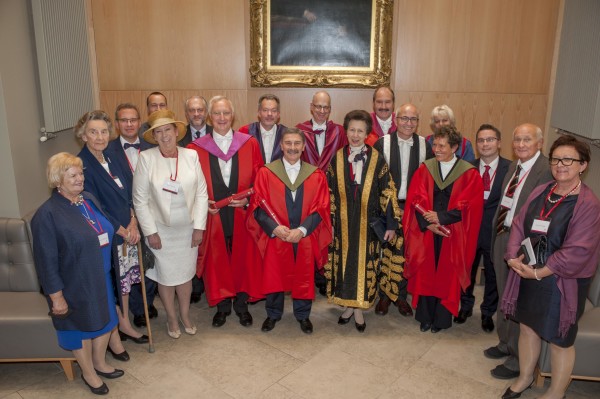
[391,360]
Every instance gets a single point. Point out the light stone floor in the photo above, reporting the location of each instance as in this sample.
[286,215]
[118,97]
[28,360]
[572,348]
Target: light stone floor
[391,360]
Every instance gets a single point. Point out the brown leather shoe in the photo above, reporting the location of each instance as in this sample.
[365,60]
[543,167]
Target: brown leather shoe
[382,306]
[404,308]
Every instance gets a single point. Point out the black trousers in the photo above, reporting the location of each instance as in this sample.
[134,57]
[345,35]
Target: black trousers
[490,292]
[430,310]
[274,306]
[239,302]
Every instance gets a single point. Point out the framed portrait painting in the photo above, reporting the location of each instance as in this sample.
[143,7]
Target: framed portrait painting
[335,43]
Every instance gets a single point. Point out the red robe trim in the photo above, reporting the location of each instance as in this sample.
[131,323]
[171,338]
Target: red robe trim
[335,138]
[281,272]
[457,252]
[225,275]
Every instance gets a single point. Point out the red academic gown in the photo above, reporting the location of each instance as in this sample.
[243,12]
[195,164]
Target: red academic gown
[227,274]
[281,272]
[458,250]
[335,138]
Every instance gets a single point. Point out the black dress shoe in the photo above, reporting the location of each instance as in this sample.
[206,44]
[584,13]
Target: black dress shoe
[195,298]
[306,326]
[425,327]
[323,290]
[404,308]
[112,375]
[504,373]
[463,316]
[360,327]
[382,306]
[123,356]
[101,390]
[494,353]
[487,324]
[220,318]
[139,320]
[343,321]
[245,319]
[435,330]
[510,394]
[268,324]
[139,340]
[152,312]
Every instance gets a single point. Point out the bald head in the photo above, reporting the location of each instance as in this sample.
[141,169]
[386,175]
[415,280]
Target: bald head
[407,120]
[527,141]
[320,107]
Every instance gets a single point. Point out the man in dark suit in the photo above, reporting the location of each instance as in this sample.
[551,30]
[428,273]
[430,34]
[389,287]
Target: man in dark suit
[530,170]
[124,151]
[154,102]
[492,168]
[404,151]
[196,110]
[267,131]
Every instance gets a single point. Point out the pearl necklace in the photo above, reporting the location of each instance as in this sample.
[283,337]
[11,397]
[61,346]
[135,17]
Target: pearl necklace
[570,193]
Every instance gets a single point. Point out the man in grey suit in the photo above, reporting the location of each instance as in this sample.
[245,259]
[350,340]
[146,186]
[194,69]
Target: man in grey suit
[196,111]
[530,170]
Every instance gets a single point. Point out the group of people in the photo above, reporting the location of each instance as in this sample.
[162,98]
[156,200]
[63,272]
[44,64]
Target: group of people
[365,212]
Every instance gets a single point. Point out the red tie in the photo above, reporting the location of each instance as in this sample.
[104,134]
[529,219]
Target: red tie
[487,181]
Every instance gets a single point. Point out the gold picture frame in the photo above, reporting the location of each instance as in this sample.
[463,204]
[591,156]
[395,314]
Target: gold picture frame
[339,60]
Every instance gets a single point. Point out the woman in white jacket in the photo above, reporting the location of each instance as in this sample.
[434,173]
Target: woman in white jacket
[170,200]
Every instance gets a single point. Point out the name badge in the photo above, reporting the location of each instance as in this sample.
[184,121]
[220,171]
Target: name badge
[540,226]
[103,239]
[171,186]
[486,195]
[507,202]
[118,181]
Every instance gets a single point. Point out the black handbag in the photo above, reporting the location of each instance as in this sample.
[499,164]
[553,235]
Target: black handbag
[147,256]
[379,226]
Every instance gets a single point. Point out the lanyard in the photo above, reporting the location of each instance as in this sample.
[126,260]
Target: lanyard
[129,163]
[176,165]
[544,217]
[92,223]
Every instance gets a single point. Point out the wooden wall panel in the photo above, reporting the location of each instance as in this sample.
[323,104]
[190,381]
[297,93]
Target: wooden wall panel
[489,60]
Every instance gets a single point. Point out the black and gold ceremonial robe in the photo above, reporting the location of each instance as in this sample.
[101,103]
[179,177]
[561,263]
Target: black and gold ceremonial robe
[356,256]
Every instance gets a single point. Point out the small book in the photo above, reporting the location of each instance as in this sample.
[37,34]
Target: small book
[527,250]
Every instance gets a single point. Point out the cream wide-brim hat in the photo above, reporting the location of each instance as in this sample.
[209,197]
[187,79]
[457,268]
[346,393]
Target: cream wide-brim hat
[160,118]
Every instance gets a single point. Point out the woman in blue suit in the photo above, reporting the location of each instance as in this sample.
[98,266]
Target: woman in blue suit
[106,181]
[72,251]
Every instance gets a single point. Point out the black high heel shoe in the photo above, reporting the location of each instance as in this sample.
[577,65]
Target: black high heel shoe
[138,340]
[342,320]
[510,394]
[113,374]
[123,356]
[101,390]
[360,327]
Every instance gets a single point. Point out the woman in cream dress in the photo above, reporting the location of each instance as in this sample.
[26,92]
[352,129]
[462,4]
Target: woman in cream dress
[170,199]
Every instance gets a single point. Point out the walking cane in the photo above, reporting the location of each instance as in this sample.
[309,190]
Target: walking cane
[145,300]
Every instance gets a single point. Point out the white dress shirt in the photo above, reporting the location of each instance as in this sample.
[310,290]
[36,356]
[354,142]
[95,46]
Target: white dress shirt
[268,140]
[404,147]
[525,169]
[198,133]
[320,138]
[292,172]
[224,142]
[132,153]
[385,125]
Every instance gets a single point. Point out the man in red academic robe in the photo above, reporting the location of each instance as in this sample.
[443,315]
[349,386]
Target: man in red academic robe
[437,266]
[228,259]
[383,114]
[323,137]
[294,230]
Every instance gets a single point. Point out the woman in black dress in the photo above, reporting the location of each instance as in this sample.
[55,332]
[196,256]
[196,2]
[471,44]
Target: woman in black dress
[547,296]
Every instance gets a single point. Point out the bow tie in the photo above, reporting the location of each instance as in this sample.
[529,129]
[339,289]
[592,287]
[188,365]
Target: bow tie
[293,167]
[128,145]
[409,141]
[218,137]
[319,131]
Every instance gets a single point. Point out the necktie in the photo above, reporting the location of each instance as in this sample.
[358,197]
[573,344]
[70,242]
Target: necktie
[512,186]
[318,132]
[128,145]
[487,181]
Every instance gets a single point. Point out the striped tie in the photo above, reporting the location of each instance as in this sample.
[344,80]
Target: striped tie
[512,186]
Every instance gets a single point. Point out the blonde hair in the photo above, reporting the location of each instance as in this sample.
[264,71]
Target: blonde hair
[58,164]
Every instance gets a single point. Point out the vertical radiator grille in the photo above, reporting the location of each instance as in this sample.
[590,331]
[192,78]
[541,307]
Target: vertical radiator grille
[63,57]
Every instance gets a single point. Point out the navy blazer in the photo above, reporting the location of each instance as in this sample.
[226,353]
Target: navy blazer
[115,201]
[187,139]
[117,155]
[68,257]
[490,206]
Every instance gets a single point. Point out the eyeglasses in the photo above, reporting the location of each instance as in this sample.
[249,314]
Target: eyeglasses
[565,161]
[128,121]
[487,140]
[321,107]
[406,119]
[221,113]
